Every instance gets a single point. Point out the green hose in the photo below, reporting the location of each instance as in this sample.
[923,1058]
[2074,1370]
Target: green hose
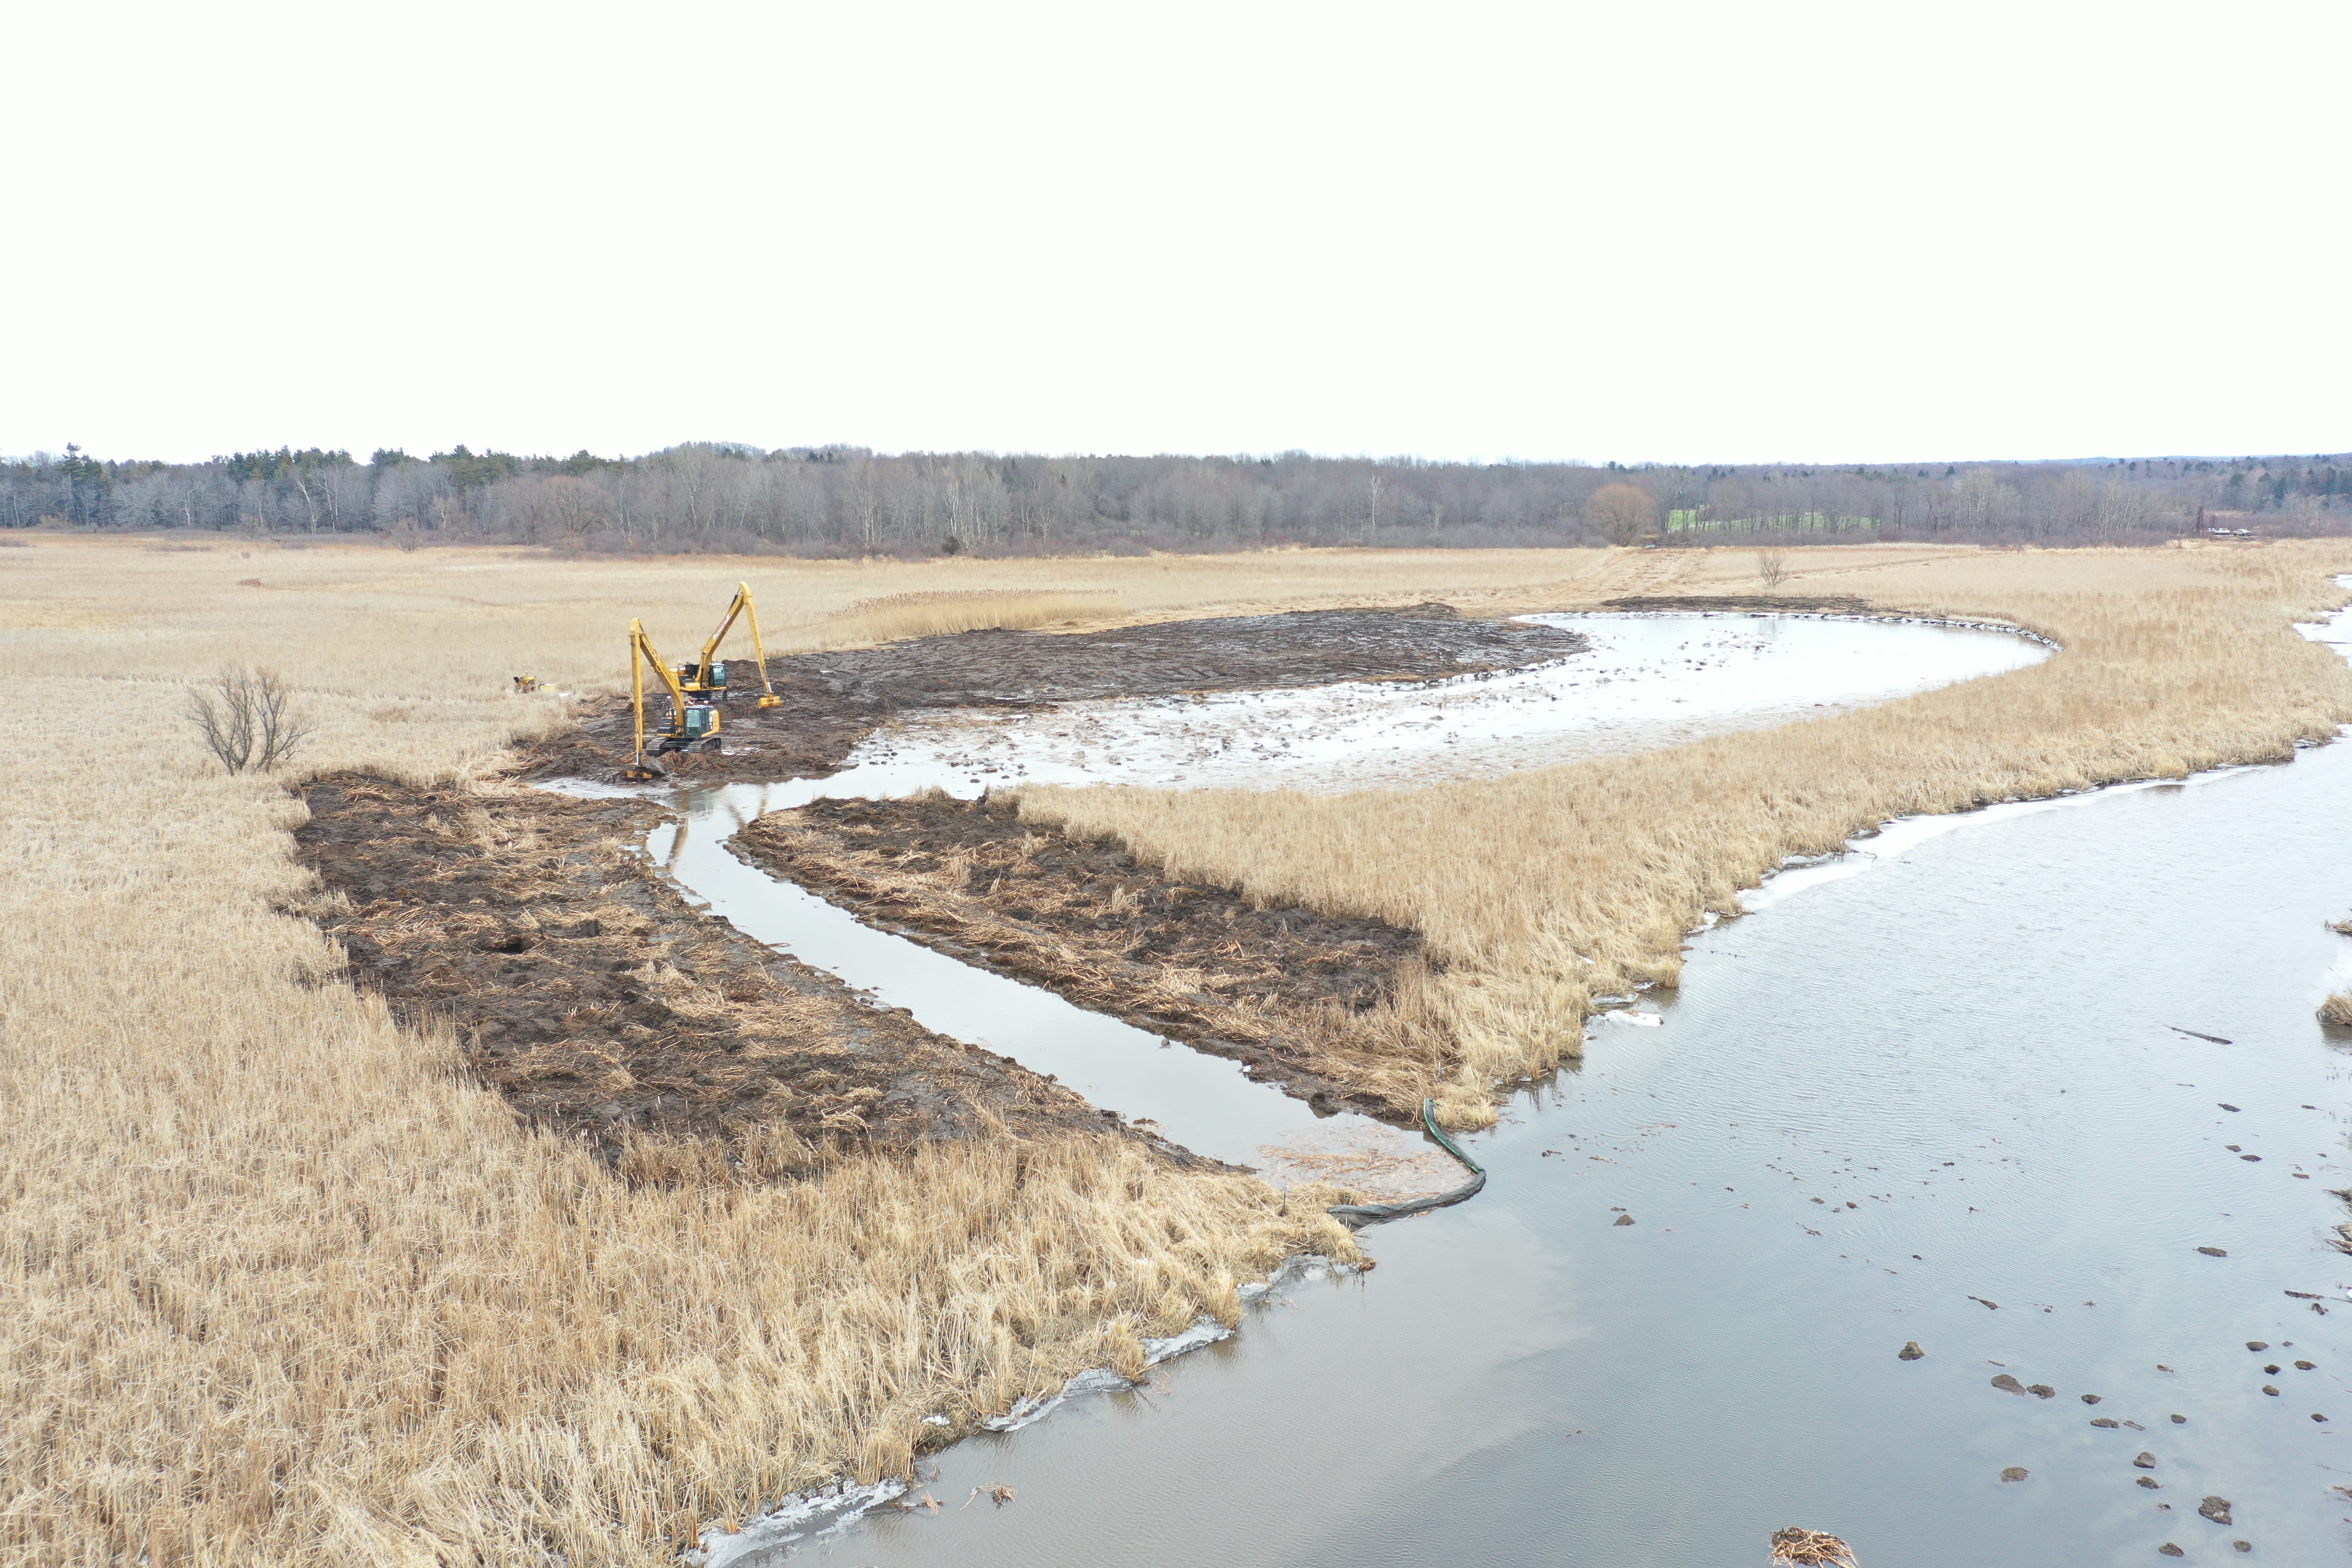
[1429,1120]
[1355,1217]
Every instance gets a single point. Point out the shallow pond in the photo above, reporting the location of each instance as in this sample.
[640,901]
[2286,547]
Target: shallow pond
[1647,680]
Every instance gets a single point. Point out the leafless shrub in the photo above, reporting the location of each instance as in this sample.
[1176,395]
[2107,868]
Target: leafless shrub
[2337,1010]
[1620,513]
[249,720]
[2342,927]
[1772,566]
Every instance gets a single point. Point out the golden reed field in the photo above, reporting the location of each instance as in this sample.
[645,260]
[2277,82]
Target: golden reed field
[281,1286]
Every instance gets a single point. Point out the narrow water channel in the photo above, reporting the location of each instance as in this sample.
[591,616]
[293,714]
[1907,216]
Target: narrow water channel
[1206,1103]
[1951,1101]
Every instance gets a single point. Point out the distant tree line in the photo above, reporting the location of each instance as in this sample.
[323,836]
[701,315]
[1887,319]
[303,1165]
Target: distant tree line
[844,501]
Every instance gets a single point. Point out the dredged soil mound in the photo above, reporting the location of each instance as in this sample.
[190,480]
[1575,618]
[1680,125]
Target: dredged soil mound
[834,700]
[603,1007]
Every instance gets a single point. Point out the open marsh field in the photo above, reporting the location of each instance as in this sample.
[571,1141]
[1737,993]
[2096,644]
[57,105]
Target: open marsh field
[291,1280]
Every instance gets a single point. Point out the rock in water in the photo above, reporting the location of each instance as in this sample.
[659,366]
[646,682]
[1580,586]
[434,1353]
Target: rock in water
[2008,1385]
[2216,1509]
[2148,1483]
[2213,1252]
[2041,1391]
[2106,1421]
[2014,1473]
[2090,1399]
[2144,1460]
[2169,1549]
[1910,1351]
[1624,1220]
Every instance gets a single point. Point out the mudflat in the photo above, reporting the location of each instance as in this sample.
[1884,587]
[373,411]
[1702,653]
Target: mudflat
[833,701]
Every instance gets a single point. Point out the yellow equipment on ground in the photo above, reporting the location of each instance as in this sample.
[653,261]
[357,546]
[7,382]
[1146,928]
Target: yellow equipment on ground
[695,691]
[693,721]
[709,677]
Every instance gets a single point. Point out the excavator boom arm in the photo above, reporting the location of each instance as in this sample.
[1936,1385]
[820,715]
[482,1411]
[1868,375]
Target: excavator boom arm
[740,606]
[642,652]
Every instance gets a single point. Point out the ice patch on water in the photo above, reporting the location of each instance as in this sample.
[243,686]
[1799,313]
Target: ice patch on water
[826,1511]
[1648,680]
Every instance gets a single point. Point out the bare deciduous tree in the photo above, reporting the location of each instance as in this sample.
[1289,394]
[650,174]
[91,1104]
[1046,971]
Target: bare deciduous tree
[1620,513]
[1772,566]
[849,499]
[248,722]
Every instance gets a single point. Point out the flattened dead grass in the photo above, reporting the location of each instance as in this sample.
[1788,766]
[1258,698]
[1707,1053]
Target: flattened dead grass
[923,614]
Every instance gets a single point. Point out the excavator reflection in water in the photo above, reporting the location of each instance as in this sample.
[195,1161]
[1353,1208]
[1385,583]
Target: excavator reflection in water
[695,691]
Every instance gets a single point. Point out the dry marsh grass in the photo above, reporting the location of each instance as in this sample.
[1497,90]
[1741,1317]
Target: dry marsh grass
[930,613]
[280,1286]
[453,625]
[1547,888]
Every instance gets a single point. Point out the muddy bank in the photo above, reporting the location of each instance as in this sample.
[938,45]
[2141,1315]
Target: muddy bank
[603,1007]
[1325,1007]
[833,701]
[1758,604]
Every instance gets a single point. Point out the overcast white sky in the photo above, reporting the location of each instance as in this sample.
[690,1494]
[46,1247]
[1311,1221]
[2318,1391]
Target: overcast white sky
[1676,232]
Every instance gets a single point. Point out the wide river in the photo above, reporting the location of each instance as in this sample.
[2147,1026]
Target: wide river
[2044,1094]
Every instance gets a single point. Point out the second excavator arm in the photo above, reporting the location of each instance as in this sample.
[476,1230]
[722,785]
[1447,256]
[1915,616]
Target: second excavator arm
[742,606]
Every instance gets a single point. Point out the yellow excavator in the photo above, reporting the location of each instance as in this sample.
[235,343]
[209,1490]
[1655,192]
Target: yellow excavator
[695,691]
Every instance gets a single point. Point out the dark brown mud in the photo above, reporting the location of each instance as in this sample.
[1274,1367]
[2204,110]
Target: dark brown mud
[603,1007]
[1321,1004]
[1758,604]
[834,700]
